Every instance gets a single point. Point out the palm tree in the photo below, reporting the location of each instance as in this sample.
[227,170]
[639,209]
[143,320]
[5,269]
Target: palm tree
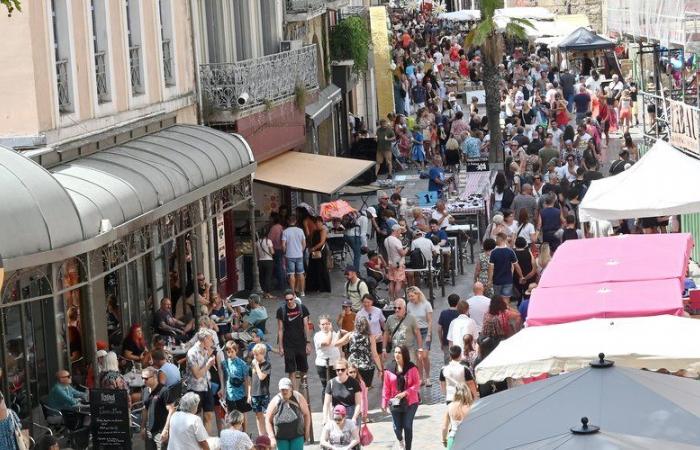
[490,34]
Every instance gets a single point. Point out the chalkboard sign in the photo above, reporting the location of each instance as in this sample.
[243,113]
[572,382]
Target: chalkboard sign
[478,165]
[427,198]
[109,415]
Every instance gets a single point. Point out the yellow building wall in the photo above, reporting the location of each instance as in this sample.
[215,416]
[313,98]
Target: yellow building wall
[382,60]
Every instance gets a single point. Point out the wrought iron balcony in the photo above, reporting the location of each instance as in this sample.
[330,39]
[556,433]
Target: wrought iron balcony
[302,6]
[168,63]
[253,82]
[101,77]
[135,70]
[62,86]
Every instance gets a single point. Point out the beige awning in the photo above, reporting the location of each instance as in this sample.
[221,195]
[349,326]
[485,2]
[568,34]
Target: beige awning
[308,172]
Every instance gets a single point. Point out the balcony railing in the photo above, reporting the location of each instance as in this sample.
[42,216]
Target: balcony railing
[101,77]
[245,84]
[168,63]
[135,69]
[64,100]
[303,6]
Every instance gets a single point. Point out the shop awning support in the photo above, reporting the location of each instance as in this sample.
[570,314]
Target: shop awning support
[253,233]
[91,341]
[212,255]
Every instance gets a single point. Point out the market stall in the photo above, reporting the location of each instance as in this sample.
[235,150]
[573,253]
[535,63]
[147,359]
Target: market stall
[663,182]
[656,342]
[635,257]
[604,300]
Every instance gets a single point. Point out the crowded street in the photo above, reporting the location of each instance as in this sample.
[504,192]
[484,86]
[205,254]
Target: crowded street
[349,224]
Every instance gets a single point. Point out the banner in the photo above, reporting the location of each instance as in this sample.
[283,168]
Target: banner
[685,126]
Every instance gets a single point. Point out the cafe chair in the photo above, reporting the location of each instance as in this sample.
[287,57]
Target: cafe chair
[66,425]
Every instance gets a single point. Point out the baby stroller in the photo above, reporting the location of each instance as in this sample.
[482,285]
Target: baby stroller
[340,251]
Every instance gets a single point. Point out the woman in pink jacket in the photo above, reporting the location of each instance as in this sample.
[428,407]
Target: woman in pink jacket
[401,394]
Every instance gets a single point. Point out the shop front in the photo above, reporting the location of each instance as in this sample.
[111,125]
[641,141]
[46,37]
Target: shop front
[91,246]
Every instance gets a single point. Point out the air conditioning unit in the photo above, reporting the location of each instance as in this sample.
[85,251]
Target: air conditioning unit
[286,46]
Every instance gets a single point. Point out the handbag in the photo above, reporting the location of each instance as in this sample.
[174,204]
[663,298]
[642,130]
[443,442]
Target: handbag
[398,405]
[317,254]
[366,436]
[19,436]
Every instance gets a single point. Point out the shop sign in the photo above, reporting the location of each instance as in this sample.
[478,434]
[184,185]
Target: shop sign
[478,165]
[685,126]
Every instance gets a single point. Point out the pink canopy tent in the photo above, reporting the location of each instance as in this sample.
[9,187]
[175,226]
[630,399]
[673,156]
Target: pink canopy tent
[630,257]
[601,300]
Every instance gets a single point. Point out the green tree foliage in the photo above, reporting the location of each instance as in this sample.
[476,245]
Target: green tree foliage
[11,6]
[489,35]
[350,39]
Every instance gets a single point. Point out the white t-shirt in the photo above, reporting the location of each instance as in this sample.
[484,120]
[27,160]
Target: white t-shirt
[265,249]
[564,172]
[234,440]
[393,246]
[332,353]
[478,306]
[375,317]
[420,312]
[454,375]
[437,56]
[437,216]
[460,327]
[186,431]
[556,138]
[524,233]
[426,247]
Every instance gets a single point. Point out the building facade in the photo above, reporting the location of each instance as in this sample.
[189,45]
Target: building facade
[115,198]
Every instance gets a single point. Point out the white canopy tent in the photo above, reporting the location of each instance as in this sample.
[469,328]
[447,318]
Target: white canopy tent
[464,15]
[656,342]
[663,182]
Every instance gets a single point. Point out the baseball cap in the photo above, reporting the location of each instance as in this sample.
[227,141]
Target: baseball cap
[350,268]
[347,303]
[260,333]
[371,210]
[285,383]
[340,411]
[568,141]
[101,345]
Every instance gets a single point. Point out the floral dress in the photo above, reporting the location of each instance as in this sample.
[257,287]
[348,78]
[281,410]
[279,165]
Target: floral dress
[484,260]
[360,352]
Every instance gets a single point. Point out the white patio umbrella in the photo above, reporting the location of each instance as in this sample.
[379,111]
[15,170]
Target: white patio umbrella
[657,342]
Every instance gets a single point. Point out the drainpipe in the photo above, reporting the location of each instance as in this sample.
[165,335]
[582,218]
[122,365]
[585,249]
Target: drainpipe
[196,60]
[253,233]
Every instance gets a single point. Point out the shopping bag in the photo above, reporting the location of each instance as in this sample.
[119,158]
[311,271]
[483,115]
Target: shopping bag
[366,437]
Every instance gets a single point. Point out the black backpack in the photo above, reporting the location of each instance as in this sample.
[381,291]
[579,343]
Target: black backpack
[507,199]
[417,260]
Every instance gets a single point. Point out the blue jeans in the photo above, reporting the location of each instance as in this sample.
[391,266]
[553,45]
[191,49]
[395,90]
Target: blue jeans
[570,103]
[355,243]
[505,290]
[280,270]
[295,266]
[403,424]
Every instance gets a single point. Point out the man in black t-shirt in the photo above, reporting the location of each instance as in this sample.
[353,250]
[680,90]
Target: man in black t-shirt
[619,165]
[293,334]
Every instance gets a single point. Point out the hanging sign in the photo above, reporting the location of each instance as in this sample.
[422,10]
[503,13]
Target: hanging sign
[685,126]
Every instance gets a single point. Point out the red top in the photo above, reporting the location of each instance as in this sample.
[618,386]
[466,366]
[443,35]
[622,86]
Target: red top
[391,387]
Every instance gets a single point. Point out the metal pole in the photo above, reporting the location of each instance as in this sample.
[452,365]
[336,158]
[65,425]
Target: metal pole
[253,233]
[90,313]
[212,250]
[194,247]
[305,392]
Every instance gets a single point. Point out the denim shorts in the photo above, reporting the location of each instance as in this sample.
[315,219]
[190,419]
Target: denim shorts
[505,290]
[423,335]
[295,265]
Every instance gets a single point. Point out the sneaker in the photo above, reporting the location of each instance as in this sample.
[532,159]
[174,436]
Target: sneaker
[428,383]
[302,294]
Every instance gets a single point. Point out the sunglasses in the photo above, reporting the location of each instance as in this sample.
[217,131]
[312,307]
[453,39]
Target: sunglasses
[340,370]
[398,308]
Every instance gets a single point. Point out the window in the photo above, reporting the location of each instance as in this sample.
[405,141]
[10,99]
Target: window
[61,44]
[270,29]
[216,43]
[241,15]
[133,24]
[100,46]
[166,37]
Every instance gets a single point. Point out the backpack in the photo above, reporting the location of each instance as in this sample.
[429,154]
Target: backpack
[417,260]
[569,234]
[507,198]
[359,283]
[288,420]
[349,220]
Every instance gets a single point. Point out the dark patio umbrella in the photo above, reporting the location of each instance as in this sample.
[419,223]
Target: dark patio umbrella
[625,409]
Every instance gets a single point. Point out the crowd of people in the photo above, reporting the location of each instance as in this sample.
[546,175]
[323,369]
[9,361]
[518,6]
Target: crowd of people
[556,125]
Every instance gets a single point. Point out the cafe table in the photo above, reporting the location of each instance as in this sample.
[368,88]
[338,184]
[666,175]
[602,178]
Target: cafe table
[134,380]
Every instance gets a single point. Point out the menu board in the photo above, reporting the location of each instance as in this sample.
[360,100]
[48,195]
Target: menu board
[478,165]
[109,415]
